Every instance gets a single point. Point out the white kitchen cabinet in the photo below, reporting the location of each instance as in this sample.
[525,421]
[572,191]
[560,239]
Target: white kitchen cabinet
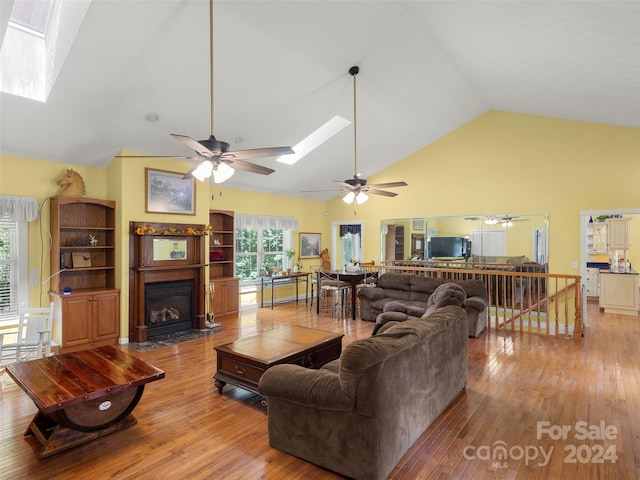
[592,282]
[597,237]
[618,233]
[619,293]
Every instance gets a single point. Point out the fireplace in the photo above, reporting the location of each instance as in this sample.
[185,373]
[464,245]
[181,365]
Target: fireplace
[166,290]
[168,307]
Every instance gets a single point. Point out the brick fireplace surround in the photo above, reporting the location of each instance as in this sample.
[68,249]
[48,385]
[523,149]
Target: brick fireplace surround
[144,269]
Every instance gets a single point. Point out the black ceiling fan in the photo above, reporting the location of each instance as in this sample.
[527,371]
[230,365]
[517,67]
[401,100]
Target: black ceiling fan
[214,157]
[356,188]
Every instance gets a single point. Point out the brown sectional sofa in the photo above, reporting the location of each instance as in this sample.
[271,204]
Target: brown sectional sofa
[359,415]
[414,291]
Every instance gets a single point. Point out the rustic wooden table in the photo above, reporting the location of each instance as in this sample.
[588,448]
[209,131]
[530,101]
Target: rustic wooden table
[82,395]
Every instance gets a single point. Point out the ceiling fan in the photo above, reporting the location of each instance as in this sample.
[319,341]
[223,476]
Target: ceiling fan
[356,188]
[215,159]
[504,220]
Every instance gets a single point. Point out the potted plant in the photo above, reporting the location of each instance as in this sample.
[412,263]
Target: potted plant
[290,254]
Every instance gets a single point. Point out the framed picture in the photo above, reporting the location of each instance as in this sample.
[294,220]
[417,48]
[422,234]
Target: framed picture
[309,245]
[168,192]
[418,224]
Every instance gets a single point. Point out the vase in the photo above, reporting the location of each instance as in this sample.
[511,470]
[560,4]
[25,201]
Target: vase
[295,269]
[352,267]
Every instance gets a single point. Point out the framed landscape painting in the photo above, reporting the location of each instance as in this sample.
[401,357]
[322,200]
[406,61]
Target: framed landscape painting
[309,245]
[168,192]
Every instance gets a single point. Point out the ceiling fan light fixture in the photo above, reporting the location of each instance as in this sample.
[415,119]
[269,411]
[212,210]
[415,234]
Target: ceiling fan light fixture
[348,198]
[222,172]
[203,171]
[359,197]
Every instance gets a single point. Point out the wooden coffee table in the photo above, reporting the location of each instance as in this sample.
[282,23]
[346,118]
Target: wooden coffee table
[242,363]
[82,395]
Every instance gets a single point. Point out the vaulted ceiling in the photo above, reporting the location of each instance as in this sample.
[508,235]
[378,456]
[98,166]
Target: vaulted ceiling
[281,71]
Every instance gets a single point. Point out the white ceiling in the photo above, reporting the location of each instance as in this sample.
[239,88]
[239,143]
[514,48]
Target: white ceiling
[281,70]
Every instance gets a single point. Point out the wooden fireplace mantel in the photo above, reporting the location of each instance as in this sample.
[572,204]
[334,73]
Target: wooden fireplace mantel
[144,269]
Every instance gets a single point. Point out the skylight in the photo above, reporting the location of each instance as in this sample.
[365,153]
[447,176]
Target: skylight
[315,139]
[31,14]
[36,42]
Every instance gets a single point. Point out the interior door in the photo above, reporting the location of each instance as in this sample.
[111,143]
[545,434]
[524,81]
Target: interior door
[489,242]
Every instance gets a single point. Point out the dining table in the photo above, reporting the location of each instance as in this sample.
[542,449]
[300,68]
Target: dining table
[353,278]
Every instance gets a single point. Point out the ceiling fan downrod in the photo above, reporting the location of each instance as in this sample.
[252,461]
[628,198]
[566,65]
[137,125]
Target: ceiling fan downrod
[353,71]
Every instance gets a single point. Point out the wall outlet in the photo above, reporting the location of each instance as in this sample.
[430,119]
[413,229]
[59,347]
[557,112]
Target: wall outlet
[574,264]
[33,277]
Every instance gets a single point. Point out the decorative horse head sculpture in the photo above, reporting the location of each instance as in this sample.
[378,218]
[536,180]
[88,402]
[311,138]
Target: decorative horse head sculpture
[324,255]
[73,184]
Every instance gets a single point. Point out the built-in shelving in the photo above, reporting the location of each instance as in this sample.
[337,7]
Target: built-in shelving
[221,264]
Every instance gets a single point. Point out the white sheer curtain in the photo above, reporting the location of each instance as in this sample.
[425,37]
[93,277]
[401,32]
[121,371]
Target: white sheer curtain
[266,222]
[18,209]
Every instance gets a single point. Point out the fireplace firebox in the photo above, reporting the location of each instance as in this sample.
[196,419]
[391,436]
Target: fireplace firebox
[168,307]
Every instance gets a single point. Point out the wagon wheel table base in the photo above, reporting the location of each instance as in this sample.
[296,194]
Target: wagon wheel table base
[82,395]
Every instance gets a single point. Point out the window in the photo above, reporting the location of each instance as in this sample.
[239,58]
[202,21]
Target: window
[350,242]
[13,285]
[260,251]
[261,243]
[351,247]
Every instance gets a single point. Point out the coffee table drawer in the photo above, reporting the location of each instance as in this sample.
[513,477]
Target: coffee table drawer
[241,370]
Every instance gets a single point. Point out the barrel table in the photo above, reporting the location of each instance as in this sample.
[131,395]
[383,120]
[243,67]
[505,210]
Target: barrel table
[82,395]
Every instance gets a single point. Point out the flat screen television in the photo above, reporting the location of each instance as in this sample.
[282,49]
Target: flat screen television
[449,247]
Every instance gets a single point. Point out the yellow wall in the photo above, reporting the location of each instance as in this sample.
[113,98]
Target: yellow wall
[500,162]
[37,178]
[508,162]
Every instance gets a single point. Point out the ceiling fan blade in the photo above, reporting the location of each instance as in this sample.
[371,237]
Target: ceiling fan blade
[380,192]
[188,174]
[160,156]
[329,190]
[248,167]
[193,145]
[257,153]
[389,185]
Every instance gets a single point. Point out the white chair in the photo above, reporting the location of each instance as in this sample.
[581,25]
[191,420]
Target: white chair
[32,337]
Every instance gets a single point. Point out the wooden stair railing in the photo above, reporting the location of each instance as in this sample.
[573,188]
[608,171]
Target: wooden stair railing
[524,300]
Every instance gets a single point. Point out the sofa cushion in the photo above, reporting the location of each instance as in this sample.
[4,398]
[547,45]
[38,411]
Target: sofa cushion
[474,288]
[394,307]
[395,282]
[424,284]
[446,294]
[415,310]
[367,353]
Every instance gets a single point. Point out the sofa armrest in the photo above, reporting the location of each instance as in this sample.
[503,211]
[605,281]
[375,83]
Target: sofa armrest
[386,317]
[305,386]
[372,293]
[478,303]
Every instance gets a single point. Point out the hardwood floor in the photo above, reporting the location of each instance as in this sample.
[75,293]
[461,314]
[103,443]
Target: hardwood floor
[186,430]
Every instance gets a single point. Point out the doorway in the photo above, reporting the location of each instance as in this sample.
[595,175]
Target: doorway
[347,240]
